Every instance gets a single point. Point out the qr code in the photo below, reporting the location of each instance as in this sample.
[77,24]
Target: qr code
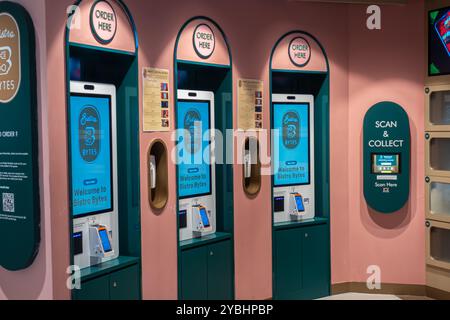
[8,202]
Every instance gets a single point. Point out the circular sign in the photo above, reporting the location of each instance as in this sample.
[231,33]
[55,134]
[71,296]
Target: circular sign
[204,41]
[103,22]
[299,52]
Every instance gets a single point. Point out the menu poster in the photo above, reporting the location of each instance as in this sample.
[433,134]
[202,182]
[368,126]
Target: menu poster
[250,104]
[156,114]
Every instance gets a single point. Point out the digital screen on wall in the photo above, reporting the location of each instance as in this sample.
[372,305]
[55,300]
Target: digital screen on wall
[90,154]
[386,163]
[439,42]
[193,150]
[292,150]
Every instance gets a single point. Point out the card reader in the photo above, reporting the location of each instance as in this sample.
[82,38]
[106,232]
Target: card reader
[200,220]
[100,242]
[296,205]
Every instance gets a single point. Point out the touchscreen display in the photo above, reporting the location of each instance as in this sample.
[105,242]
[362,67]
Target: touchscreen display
[105,240]
[90,154]
[300,205]
[193,148]
[292,145]
[205,218]
[385,164]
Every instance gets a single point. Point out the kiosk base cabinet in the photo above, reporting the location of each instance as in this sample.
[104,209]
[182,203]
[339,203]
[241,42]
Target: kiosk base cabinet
[119,285]
[301,263]
[207,272]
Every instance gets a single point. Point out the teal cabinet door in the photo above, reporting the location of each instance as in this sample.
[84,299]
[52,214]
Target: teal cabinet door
[124,284]
[288,280]
[220,271]
[316,265]
[96,289]
[194,274]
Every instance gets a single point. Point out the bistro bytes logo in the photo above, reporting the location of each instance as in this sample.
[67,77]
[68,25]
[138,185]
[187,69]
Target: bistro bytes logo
[193,126]
[291,130]
[9,58]
[89,130]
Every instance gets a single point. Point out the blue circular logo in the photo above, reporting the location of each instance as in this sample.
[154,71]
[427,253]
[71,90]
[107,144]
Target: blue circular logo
[193,124]
[291,130]
[89,130]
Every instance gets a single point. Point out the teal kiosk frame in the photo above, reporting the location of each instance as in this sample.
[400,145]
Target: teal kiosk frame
[118,279]
[301,249]
[206,265]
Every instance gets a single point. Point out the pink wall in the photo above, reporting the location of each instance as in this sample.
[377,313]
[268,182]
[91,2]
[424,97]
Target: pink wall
[387,65]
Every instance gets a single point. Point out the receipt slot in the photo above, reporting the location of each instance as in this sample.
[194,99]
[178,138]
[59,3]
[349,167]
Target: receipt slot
[386,157]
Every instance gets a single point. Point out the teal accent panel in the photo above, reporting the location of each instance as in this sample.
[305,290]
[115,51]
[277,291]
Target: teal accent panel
[97,289]
[124,284]
[207,272]
[220,271]
[316,267]
[19,182]
[194,274]
[322,149]
[302,263]
[129,162]
[387,157]
[288,259]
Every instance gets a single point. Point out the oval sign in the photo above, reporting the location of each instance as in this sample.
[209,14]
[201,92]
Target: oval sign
[387,157]
[10,73]
[103,22]
[299,52]
[193,126]
[89,130]
[204,41]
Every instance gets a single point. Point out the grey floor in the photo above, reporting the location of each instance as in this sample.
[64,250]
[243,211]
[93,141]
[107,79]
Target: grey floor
[364,296]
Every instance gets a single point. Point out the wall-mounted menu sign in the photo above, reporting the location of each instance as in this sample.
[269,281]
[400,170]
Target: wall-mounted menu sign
[156,113]
[204,41]
[250,104]
[299,52]
[386,157]
[19,171]
[103,21]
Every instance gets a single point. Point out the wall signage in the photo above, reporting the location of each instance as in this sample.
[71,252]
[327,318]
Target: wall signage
[250,104]
[156,96]
[103,22]
[299,52]
[204,41]
[19,171]
[386,157]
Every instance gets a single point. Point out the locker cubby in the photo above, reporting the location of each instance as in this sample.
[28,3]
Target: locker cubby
[438,154]
[438,244]
[437,105]
[438,199]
